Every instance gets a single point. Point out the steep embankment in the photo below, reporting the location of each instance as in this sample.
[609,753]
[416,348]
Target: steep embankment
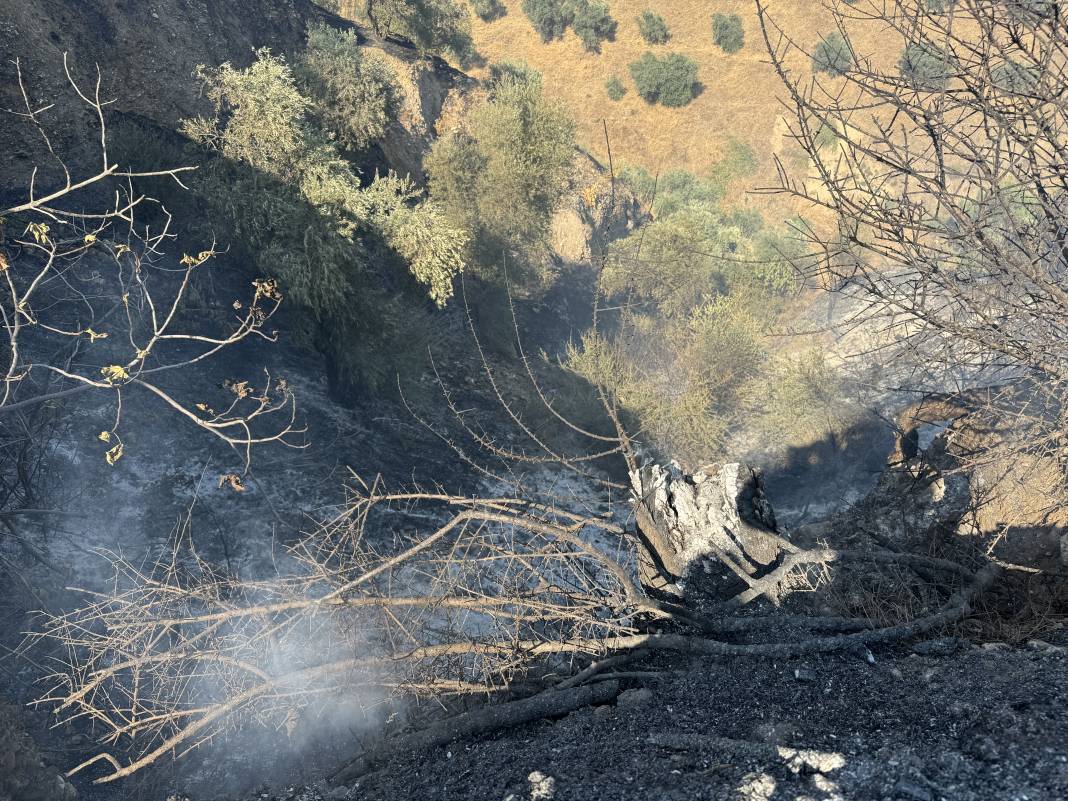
[148,52]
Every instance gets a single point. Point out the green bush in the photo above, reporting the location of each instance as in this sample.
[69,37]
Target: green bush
[653,28]
[502,71]
[433,26]
[590,19]
[592,24]
[833,55]
[297,211]
[926,66]
[489,10]
[1013,77]
[550,18]
[615,88]
[737,161]
[354,94]
[1032,12]
[728,33]
[670,81]
[502,174]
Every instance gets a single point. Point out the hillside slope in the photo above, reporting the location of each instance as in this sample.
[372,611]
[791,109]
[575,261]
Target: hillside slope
[739,98]
[148,52]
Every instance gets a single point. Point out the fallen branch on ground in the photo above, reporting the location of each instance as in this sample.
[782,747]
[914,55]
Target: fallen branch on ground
[549,704]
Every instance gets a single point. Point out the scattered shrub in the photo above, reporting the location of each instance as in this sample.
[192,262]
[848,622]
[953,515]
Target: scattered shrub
[433,26]
[728,33]
[615,88]
[833,55]
[1013,77]
[502,71]
[550,18]
[590,19]
[927,66]
[354,93]
[670,81]
[592,24]
[489,10]
[653,28]
[737,161]
[502,174]
[1031,12]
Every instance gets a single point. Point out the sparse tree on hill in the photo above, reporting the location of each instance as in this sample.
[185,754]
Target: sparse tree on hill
[728,32]
[653,28]
[615,88]
[833,55]
[592,24]
[670,80]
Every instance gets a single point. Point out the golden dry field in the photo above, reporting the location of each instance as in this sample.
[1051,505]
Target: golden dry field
[741,93]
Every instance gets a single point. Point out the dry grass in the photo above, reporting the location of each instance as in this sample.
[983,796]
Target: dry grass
[740,97]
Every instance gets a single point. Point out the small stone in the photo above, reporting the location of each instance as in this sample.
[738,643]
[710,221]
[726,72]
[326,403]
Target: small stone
[602,712]
[636,697]
[1042,645]
[338,793]
[542,787]
[994,647]
[804,674]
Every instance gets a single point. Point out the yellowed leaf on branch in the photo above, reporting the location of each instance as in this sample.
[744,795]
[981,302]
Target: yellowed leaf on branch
[40,233]
[121,250]
[114,454]
[114,372]
[104,436]
[195,261]
[90,239]
[3,263]
[94,335]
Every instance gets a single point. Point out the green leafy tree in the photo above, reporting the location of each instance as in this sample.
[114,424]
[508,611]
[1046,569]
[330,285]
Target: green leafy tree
[489,10]
[615,88]
[550,18]
[298,211]
[653,28]
[833,55]
[354,93]
[502,174]
[592,24]
[670,81]
[728,33]
[433,26]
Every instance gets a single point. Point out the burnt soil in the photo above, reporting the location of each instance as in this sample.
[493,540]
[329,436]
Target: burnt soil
[981,723]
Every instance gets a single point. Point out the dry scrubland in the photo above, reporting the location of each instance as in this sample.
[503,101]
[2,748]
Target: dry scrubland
[741,93]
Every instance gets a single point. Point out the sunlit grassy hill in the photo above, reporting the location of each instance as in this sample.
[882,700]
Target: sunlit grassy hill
[739,100]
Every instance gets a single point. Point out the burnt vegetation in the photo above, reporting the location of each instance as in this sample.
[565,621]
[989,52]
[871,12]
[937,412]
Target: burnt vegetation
[610,500]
